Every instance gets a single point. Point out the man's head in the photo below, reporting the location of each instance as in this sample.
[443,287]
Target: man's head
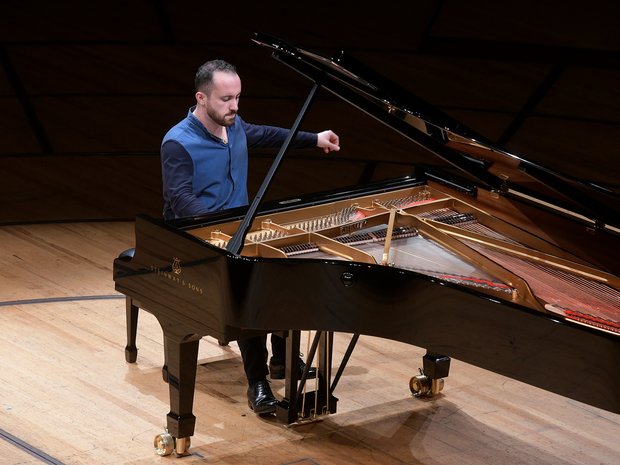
[204,75]
[218,88]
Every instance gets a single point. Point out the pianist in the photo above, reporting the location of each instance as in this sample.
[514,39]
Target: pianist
[204,161]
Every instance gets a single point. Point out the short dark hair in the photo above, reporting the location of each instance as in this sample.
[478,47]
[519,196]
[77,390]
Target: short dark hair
[204,75]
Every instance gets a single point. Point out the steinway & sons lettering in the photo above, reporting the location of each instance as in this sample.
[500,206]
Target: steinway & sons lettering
[175,277]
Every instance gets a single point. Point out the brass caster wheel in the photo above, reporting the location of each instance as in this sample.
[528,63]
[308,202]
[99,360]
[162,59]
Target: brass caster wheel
[420,385]
[164,444]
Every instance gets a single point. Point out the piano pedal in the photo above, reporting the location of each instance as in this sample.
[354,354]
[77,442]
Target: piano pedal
[310,416]
[313,418]
[323,405]
[305,411]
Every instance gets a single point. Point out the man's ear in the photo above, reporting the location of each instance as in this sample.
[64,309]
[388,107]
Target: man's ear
[201,98]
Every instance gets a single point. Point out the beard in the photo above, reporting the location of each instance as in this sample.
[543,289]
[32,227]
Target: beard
[222,119]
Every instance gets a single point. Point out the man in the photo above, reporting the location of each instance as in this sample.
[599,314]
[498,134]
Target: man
[204,162]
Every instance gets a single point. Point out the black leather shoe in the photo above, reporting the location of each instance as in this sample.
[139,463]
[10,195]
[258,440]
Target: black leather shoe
[277,368]
[261,399]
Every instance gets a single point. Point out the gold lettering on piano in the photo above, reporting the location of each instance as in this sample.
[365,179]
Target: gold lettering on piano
[176,265]
[175,276]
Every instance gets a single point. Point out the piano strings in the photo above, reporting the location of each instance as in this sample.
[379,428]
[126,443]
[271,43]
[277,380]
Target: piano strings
[574,296]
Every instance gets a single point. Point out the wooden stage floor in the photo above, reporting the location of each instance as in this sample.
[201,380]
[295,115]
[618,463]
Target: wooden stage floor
[68,397]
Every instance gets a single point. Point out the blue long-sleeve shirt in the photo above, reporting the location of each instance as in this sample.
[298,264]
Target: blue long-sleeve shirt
[201,173]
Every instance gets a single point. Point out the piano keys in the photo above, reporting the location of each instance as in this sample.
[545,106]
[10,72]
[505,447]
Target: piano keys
[510,272]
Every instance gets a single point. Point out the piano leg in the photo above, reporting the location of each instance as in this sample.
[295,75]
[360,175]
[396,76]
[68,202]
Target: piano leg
[431,378]
[181,354]
[164,368]
[131,351]
[131,314]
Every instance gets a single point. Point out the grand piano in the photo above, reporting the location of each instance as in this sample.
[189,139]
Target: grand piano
[512,267]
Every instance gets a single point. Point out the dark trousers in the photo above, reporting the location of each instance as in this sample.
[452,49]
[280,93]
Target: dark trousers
[254,354]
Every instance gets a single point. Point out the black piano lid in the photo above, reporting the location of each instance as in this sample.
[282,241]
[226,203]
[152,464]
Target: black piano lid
[450,140]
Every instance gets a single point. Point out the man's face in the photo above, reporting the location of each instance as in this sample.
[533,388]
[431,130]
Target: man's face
[223,101]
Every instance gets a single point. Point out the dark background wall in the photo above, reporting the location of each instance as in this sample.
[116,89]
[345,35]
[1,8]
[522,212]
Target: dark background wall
[88,89]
